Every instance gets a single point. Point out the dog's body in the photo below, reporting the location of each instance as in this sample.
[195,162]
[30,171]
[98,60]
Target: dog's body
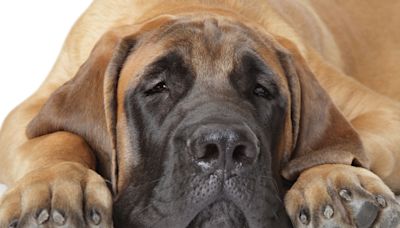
[351,47]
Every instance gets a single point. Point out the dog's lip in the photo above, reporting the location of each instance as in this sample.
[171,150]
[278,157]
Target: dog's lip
[218,200]
[185,216]
[221,196]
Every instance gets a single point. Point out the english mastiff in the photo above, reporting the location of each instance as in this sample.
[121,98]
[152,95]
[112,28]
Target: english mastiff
[226,113]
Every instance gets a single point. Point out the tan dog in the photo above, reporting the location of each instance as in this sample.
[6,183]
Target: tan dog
[193,111]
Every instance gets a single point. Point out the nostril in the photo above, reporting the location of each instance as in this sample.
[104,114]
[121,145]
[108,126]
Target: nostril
[241,154]
[209,153]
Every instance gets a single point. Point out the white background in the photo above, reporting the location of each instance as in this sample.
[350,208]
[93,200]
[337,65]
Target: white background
[31,35]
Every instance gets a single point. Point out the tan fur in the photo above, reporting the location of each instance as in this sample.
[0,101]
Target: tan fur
[351,47]
[315,189]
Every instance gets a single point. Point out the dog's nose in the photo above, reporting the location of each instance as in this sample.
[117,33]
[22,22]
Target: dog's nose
[227,147]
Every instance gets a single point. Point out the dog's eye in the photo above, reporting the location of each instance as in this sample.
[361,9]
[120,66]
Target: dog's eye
[158,88]
[261,91]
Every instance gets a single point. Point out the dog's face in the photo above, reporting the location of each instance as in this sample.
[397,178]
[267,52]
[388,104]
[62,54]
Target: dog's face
[194,118]
[205,116]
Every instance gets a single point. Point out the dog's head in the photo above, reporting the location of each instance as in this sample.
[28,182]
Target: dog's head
[194,119]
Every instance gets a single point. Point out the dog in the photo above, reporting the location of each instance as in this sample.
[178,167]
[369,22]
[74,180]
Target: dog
[226,113]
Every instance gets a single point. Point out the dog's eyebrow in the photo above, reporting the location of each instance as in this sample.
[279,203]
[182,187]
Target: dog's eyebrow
[252,63]
[167,62]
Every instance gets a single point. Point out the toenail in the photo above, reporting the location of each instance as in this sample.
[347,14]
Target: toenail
[381,201]
[303,216]
[345,194]
[95,216]
[328,212]
[43,216]
[58,218]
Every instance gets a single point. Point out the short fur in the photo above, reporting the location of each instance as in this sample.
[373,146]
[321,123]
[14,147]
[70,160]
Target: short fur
[329,122]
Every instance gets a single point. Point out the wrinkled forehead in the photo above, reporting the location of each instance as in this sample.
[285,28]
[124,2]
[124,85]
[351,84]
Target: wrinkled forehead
[210,46]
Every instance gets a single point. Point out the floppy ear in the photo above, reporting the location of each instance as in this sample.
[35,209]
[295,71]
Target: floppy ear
[321,134]
[87,104]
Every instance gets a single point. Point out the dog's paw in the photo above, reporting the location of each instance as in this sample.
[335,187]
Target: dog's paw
[341,196]
[64,195]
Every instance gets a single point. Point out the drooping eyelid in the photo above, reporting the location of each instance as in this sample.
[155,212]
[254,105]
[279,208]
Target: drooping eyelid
[149,80]
[253,65]
[155,72]
[265,75]
[268,82]
[153,81]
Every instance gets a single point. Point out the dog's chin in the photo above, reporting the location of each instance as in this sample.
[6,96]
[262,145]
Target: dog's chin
[220,214]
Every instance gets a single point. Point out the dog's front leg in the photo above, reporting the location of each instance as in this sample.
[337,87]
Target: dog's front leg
[53,184]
